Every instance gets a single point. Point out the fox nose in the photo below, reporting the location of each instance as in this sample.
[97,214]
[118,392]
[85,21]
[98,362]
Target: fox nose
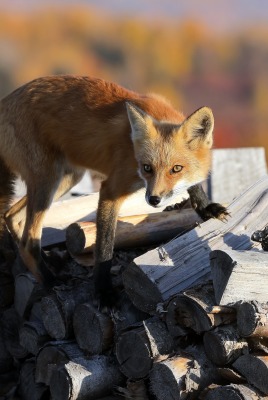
[154,200]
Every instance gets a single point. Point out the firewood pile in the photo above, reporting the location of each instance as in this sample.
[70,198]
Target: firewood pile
[190,322]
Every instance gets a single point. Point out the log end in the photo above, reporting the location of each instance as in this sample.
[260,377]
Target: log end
[142,291]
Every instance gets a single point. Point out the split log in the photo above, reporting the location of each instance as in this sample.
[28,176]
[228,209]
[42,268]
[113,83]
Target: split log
[239,275]
[58,308]
[182,376]
[195,309]
[137,348]
[223,345]
[93,330]
[184,262]
[126,314]
[53,354]
[255,369]
[234,392]
[85,379]
[6,286]
[134,230]
[33,336]
[252,319]
[24,286]
[6,361]
[28,388]
[11,323]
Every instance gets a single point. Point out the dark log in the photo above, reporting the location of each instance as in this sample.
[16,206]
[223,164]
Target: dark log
[239,275]
[93,330]
[33,336]
[234,392]
[182,376]
[252,319]
[223,345]
[11,323]
[195,309]
[255,369]
[184,262]
[133,230]
[85,379]
[127,314]
[134,390]
[58,308]
[53,354]
[6,360]
[257,344]
[28,388]
[138,347]
[230,376]
[6,286]
[24,286]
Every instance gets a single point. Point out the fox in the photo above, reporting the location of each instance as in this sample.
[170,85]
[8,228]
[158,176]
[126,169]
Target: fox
[54,128]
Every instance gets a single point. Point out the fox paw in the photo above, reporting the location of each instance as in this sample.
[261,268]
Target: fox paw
[213,210]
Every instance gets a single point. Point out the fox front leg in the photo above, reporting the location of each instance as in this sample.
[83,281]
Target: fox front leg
[204,208]
[107,214]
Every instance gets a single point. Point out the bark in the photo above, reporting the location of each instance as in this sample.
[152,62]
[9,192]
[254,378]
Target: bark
[93,330]
[138,347]
[58,308]
[195,309]
[223,345]
[255,369]
[239,276]
[85,379]
[252,319]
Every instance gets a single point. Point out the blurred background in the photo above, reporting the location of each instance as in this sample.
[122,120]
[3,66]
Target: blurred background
[193,52]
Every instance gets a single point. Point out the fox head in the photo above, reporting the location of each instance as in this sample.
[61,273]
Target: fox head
[171,157]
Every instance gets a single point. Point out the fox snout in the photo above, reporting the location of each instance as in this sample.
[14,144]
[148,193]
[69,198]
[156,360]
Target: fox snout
[154,200]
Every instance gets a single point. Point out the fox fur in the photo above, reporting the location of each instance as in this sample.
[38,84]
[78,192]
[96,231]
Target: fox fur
[54,128]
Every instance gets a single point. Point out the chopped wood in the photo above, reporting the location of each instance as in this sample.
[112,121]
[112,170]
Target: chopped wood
[6,360]
[85,378]
[138,347]
[239,275]
[33,336]
[192,309]
[134,230]
[223,345]
[255,369]
[24,286]
[58,308]
[184,262]
[234,392]
[53,354]
[167,378]
[182,376]
[93,330]
[28,388]
[11,323]
[252,319]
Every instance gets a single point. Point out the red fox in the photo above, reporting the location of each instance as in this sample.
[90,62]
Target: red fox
[54,128]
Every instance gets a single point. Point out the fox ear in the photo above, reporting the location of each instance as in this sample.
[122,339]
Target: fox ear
[198,128]
[138,121]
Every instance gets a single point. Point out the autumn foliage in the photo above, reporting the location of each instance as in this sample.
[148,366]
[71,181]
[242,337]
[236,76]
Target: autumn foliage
[186,62]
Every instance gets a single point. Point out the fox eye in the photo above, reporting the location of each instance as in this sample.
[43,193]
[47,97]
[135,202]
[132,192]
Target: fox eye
[176,168]
[147,168]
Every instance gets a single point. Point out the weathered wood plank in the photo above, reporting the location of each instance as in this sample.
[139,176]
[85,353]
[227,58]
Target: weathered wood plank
[183,262]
